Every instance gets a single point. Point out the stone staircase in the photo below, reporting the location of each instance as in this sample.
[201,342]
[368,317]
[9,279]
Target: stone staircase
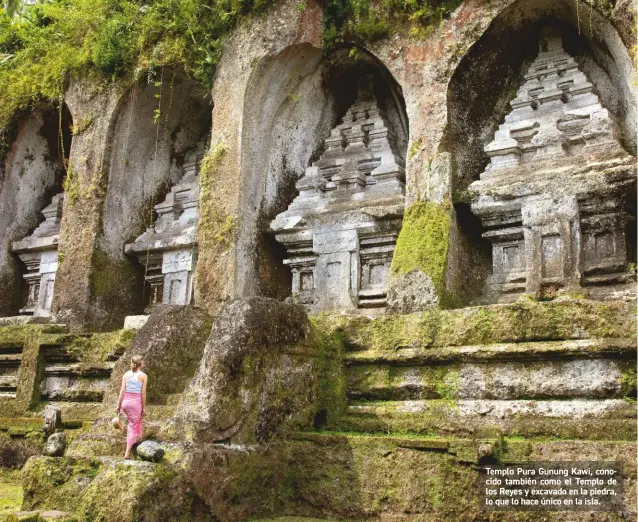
[10,360]
[74,379]
[578,383]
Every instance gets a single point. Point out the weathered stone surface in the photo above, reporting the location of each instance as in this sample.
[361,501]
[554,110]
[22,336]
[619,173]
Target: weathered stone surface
[52,419]
[168,249]
[55,445]
[110,489]
[411,292]
[258,370]
[135,322]
[31,176]
[117,176]
[150,450]
[171,344]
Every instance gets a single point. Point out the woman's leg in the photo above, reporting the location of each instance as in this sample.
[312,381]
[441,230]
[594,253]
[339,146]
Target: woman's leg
[133,410]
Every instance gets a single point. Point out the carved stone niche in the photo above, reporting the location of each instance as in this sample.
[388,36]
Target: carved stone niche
[168,248]
[341,230]
[554,197]
[39,252]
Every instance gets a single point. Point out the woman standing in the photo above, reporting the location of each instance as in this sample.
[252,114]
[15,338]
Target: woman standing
[132,402]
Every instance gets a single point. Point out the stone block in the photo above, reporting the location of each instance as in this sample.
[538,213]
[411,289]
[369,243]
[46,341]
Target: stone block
[135,322]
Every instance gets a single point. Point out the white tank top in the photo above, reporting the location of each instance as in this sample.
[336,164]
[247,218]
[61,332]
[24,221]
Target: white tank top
[133,384]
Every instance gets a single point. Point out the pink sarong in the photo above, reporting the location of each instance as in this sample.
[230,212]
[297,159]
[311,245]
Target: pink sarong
[132,408]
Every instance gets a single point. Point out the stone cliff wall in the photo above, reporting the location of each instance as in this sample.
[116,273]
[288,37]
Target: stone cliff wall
[273,82]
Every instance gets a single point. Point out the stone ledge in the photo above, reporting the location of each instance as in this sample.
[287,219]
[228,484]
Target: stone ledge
[524,351]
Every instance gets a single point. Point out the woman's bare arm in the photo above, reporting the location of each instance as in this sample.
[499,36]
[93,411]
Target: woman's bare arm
[144,380]
[119,400]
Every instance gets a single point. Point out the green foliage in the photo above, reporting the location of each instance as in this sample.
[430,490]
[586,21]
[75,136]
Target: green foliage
[367,20]
[44,45]
[111,48]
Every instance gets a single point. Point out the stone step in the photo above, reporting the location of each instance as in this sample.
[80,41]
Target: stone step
[110,443]
[552,370]
[58,353]
[21,424]
[75,411]
[8,379]
[523,321]
[75,394]
[41,516]
[75,381]
[617,347]
[93,369]
[10,361]
[591,419]
[104,440]
[10,353]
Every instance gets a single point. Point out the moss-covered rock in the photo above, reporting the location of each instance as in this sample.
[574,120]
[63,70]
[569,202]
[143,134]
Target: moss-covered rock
[109,490]
[421,250]
[259,372]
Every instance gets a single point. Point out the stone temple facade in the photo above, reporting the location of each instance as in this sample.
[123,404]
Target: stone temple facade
[554,197]
[39,252]
[168,249]
[340,231]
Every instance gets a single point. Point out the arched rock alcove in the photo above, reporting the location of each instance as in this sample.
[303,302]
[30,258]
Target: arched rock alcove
[32,174]
[487,79]
[156,126]
[293,101]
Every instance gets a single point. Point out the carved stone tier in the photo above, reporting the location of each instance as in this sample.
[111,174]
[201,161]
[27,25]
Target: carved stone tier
[341,230]
[168,249]
[554,197]
[39,252]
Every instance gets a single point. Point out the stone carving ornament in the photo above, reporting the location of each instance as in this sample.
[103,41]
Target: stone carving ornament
[39,252]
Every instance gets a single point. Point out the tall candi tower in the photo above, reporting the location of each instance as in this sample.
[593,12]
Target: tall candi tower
[555,196]
[39,253]
[168,249]
[340,231]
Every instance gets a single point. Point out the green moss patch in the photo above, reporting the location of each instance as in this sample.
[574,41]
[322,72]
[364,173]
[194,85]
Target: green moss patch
[99,347]
[332,381]
[424,242]
[10,491]
[367,21]
[525,320]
